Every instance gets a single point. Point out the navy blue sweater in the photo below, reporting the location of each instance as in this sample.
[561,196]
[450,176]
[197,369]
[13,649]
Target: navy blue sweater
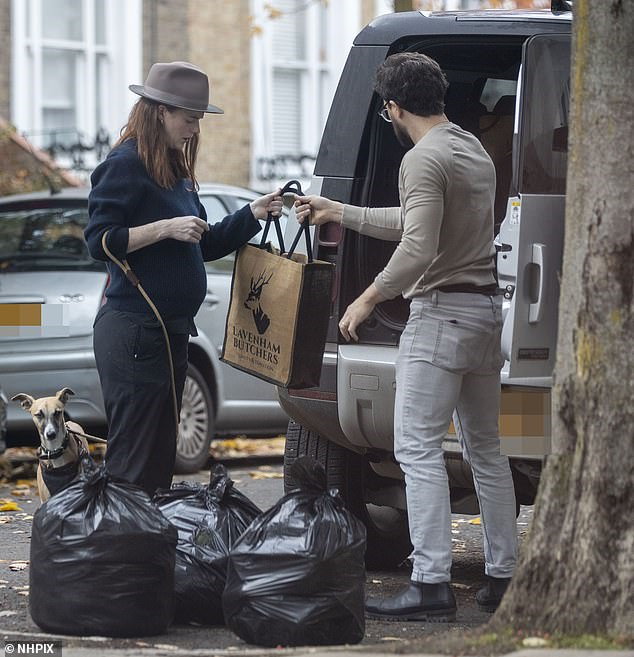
[172,272]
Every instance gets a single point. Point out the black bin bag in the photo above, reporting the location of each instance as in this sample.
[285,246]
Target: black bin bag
[102,560]
[209,520]
[297,575]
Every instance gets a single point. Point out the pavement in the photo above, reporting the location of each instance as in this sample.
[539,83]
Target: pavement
[187,641]
[336,652]
[38,645]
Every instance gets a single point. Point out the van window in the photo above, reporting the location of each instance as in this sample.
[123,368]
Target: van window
[545,102]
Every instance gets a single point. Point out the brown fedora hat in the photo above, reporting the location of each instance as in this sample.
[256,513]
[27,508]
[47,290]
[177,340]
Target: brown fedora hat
[178,84]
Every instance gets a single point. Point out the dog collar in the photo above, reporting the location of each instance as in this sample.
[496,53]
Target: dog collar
[51,455]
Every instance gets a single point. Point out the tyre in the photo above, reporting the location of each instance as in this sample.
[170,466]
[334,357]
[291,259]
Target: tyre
[388,543]
[196,425]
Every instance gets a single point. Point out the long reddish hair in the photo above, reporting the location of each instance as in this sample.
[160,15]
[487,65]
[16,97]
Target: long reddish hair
[165,165]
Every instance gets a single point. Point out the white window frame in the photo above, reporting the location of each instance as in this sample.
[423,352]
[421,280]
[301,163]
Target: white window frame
[123,55]
[343,24]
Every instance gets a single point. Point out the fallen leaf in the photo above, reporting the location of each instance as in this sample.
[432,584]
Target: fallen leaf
[475,521]
[29,483]
[534,642]
[266,475]
[241,446]
[10,506]
[21,492]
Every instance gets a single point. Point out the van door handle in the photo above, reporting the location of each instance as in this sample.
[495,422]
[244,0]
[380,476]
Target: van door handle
[330,234]
[536,310]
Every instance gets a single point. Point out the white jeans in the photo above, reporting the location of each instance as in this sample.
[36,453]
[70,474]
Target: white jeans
[449,365]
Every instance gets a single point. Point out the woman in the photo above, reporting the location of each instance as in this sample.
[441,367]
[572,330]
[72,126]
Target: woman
[144,200]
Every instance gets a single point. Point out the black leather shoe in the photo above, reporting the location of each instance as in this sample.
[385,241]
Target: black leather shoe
[418,602]
[490,595]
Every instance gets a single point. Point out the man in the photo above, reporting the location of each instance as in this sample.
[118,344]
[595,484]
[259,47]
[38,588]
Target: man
[449,354]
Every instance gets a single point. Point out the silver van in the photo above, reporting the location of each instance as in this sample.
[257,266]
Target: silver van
[509,75]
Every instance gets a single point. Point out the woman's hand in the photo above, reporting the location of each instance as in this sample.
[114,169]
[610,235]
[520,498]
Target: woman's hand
[269,203]
[183,229]
[318,210]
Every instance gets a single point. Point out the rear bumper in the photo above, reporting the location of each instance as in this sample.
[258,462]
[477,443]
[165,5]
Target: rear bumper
[354,406]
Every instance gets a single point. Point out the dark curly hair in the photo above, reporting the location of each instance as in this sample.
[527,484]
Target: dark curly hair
[413,81]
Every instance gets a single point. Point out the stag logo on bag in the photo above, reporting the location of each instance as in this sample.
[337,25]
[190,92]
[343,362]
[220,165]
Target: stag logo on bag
[253,302]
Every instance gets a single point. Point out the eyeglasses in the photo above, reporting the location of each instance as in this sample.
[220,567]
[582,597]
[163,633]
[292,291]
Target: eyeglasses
[384,114]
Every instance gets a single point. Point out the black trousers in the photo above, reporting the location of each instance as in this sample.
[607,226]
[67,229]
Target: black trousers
[133,366]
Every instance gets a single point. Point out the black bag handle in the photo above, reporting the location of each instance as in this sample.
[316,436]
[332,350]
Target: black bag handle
[276,221]
[295,187]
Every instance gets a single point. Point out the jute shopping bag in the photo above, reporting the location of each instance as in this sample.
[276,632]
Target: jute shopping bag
[278,315]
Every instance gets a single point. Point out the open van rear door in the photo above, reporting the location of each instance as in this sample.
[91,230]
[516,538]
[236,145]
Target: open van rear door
[532,233]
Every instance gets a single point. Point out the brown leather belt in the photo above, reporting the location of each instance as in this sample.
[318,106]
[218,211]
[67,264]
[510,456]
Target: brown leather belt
[488,290]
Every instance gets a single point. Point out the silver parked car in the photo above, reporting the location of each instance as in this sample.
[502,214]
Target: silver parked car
[45,269]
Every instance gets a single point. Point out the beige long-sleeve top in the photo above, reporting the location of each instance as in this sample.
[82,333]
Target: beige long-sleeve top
[445,222]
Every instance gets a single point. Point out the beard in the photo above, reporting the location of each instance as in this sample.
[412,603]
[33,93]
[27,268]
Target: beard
[402,136]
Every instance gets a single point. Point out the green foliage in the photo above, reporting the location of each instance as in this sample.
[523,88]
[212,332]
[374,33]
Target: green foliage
[508,640]
[486,643]
[592,642]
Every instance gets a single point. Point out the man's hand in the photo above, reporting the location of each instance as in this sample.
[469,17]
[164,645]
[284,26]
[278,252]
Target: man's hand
[318,210]
[358,311]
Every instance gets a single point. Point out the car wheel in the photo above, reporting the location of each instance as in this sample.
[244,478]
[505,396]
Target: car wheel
[388,543]
[196,425]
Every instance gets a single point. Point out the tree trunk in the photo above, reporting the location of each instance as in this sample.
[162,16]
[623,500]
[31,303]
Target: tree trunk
[576,571]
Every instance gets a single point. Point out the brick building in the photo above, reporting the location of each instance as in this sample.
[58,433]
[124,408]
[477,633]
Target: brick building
[65,67]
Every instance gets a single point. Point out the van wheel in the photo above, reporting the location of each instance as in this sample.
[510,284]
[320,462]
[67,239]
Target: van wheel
[388,543]
[196,425]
